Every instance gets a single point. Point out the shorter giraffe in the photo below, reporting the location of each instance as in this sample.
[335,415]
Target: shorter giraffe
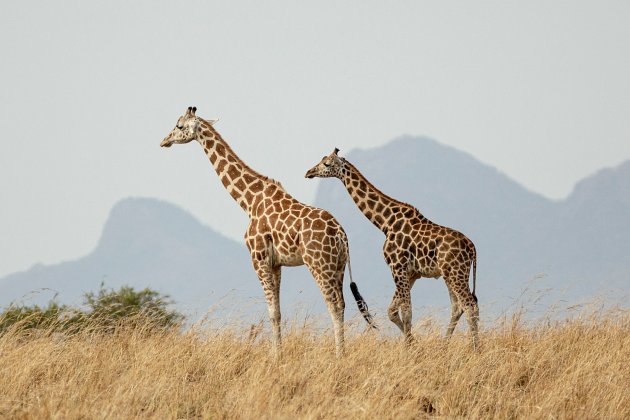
[414,247]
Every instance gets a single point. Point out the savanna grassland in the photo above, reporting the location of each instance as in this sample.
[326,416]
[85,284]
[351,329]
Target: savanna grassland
[567,369]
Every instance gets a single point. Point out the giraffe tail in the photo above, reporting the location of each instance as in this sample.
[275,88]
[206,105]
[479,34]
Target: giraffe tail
[363,307]
[474,268]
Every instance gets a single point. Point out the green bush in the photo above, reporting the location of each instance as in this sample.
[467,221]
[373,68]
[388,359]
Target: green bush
[104,310]
[109,308]
[53,316]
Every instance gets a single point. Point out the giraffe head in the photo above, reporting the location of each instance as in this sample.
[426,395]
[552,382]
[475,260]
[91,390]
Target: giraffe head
[187,129]
[330,166]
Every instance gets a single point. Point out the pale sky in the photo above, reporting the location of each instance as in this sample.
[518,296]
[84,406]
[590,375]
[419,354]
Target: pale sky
[538,89]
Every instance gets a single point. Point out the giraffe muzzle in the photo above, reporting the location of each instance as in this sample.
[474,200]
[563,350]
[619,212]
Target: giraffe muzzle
[166,143]
[310,174]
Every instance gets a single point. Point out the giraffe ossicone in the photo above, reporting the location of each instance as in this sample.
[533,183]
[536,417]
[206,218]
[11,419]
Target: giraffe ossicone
[282,231]
[414,247]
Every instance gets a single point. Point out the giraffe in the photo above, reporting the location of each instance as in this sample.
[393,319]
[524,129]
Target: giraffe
[282,231]
[414,247]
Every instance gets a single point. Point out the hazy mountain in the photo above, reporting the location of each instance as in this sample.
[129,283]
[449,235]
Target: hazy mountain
[145,243]
[578,246]
[592,232]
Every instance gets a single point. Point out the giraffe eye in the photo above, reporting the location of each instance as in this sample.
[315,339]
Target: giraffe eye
[181,127]
[326,164]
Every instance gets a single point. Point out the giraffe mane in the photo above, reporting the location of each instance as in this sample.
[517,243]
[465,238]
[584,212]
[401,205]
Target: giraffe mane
[364,179]
[265,178]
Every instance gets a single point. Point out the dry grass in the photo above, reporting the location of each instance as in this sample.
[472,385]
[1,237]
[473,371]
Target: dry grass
[573,369]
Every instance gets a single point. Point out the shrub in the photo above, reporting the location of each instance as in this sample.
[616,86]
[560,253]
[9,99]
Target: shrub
[54,316]
[109,308]
[105,310]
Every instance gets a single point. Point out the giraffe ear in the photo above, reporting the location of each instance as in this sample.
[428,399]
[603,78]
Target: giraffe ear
[336,151]
[211,122]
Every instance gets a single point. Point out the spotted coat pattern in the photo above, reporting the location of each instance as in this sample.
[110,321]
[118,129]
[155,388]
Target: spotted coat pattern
[282,231]
[414,247]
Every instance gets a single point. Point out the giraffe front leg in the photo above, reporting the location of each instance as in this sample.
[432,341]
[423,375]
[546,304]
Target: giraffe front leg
[456,313]
[270,280]
[405,315]
[394,312]
[273,306]
[402,298]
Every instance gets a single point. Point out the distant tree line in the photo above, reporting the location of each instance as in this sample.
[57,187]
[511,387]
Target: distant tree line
[104,311]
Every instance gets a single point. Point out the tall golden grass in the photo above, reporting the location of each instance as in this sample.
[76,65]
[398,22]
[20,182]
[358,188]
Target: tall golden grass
[578,368]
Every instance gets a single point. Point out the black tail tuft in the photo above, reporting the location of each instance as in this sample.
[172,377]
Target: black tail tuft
[363,308]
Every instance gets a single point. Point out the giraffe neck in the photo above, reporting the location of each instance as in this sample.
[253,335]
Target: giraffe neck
[245,185]
[374,204]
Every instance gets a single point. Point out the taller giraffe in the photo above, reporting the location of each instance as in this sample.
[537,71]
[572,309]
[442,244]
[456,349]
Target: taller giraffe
[414,247]
[282,231]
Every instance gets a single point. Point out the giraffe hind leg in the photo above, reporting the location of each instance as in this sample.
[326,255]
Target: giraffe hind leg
[336,308]
[468,303]
[456,313]
[472,316]
[331,286]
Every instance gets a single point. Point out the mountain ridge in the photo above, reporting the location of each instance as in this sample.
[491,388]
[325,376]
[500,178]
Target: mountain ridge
[519,234]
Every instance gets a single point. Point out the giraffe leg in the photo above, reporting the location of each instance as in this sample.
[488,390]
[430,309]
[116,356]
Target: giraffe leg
[403,299]
[331,286]
[336,310]
[270,280]
[456,313]
[273,306]
[394,312]
[336,307]
[467,303]
[472,316]
[340,308]
[405,315]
